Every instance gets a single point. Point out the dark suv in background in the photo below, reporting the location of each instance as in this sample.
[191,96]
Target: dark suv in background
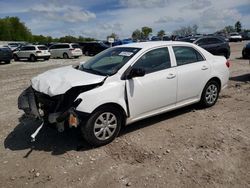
[5,54]
[92,48]
[215,45]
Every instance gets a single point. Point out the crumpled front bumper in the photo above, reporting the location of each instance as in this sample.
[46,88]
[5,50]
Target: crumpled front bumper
[27,103]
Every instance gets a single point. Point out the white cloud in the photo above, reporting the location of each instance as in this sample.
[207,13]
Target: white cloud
[60,17]
[167,19]
[144,3]
[65,13]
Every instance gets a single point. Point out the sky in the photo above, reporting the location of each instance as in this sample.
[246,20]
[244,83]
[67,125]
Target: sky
[100,18]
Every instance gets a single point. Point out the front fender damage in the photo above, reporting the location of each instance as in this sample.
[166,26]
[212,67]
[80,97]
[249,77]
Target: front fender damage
[56,109]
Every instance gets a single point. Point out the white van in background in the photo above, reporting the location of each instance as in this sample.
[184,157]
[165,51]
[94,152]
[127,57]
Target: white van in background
[65,50]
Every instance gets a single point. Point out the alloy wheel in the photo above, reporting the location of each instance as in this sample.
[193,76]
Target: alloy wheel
[105,126]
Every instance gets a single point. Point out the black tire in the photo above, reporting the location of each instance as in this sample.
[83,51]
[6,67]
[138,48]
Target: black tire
[226,55]
[15,57]
[244,56]
[89,128]
[87,53]
[65,56]
[47,58]
[7,62]
[210,94]
[32,58]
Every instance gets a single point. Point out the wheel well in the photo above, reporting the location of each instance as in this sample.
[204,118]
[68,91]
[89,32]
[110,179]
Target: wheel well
[216,79]
[118,107]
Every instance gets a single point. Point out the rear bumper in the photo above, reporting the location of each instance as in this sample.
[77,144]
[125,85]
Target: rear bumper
[76,54]
[42,56]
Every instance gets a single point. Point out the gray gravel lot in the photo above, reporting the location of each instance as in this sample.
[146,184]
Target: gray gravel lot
[189,147]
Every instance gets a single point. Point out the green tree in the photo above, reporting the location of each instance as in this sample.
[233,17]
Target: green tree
[238,26]
[14,30]
[113,35]
[146,31]
[185,31]
[229,29]
[161,34]
[137,35]
[195,29]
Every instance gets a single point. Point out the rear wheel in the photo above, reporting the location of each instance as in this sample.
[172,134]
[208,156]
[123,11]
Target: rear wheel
[32,58]
[65,56]
[210,94]
[87,53]
[103,126]
[47,58]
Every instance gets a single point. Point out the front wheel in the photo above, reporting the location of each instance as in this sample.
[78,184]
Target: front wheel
[103,126]
[210,94]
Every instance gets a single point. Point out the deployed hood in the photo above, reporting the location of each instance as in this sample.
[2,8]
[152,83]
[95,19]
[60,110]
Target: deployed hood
[58,81]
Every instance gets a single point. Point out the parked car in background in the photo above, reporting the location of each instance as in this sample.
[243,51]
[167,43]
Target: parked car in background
[92,48]
[157,38]
[215,45]
[13,45]
[65,50]
[246,51]
[245,35]
[188,39]
[32,53]
[5,55]
[125,84]
[235,37]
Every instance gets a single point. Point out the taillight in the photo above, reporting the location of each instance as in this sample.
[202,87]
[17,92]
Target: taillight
[228,63]
[38,51]
[71,49]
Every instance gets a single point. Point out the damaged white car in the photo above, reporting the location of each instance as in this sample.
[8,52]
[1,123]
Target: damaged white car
[125,84]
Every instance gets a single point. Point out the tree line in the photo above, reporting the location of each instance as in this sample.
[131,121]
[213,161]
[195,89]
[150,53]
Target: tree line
[12,29]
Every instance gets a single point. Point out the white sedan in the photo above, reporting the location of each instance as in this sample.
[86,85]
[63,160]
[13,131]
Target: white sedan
[125,84]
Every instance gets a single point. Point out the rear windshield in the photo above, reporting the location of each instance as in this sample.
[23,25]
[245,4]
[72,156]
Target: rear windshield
[42,48]
[75,46]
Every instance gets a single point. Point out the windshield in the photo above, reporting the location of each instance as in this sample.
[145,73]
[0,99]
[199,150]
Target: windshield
[109,61]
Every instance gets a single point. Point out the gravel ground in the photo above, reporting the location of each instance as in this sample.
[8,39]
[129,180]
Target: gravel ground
[189,147]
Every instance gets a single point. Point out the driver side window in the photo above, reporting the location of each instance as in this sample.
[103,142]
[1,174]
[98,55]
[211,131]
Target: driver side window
[155,60]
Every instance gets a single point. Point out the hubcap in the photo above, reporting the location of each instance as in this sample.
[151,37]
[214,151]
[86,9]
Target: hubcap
[105,126]
[211,94]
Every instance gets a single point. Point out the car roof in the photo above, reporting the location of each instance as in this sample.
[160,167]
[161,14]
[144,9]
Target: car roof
[152,44]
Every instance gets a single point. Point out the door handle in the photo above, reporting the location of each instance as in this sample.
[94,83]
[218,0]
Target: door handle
[171,76]
[204,67]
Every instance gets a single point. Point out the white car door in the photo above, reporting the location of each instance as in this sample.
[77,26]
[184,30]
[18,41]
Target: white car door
[192,71]
[21,52]
[156,89]
[52,51]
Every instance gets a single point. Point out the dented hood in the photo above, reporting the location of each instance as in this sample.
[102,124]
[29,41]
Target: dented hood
[58,81]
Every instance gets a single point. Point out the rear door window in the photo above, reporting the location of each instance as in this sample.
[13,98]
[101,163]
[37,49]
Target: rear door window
[186,55]
[214,41]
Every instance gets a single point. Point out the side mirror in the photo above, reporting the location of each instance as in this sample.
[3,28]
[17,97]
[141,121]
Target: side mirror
[136,72]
